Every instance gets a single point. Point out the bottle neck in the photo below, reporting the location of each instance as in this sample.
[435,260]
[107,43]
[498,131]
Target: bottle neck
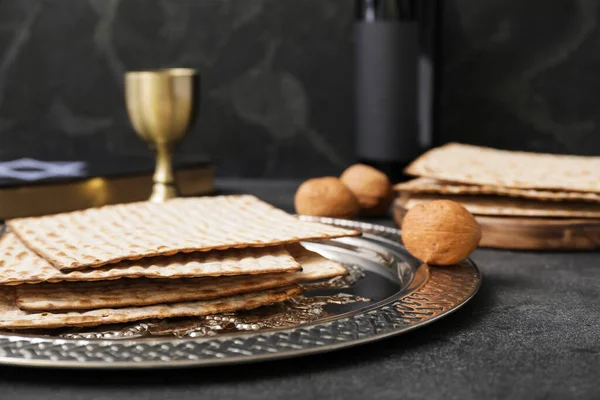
[385,10]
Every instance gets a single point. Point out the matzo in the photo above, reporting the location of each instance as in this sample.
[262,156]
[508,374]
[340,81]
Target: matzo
[485,166]
[11,317]
[427,185]
[141,292]
[314,265]
[20,265]
[505,206]
[99,236]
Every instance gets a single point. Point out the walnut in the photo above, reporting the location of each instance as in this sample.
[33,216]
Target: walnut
[440,232]
[326,197]
[371,187]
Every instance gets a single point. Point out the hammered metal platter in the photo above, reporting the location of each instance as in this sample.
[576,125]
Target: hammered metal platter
[387,292]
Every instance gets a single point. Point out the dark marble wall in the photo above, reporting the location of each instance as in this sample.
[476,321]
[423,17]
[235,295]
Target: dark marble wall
[523,74]
[277,91]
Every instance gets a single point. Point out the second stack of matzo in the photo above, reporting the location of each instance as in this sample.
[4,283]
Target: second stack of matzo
[505,183]
[128,262]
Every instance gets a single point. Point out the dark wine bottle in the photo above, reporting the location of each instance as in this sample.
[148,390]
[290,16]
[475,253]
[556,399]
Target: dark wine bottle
[430,45]
[394,87]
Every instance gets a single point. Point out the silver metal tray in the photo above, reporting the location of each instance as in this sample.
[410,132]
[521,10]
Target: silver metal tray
[388,292]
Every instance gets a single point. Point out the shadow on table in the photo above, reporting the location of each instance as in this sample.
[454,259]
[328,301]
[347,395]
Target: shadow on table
[428,337]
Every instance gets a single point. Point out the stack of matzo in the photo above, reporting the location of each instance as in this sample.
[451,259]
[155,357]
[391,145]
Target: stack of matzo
[185,257]
[506,183]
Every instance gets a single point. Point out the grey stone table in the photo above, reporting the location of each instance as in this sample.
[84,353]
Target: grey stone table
[532,332]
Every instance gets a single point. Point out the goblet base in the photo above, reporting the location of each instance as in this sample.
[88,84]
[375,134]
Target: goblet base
[162,192]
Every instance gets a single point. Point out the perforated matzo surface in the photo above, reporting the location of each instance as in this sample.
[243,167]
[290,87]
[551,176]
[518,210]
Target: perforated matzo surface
[140,292]
[427,185]
[98,236]
[485,166]
[13,317]
[20,265]
[506,206]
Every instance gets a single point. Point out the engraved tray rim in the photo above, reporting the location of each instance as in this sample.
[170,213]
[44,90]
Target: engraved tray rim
[445,291]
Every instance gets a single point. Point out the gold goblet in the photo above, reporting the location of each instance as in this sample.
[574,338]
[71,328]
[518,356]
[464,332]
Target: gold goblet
[161,107]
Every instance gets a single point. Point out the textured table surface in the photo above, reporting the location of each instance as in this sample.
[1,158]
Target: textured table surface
[532,332]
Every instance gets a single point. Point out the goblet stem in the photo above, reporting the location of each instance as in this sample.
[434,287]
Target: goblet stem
[164,187]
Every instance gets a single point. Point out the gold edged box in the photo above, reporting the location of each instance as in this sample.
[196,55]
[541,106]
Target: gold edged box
[21,199]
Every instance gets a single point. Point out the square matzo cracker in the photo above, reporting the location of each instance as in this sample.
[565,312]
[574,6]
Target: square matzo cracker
[432,186]
[20,265]
[141,292]
[515,169]
[100,236]
[506,206]
[12,317]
